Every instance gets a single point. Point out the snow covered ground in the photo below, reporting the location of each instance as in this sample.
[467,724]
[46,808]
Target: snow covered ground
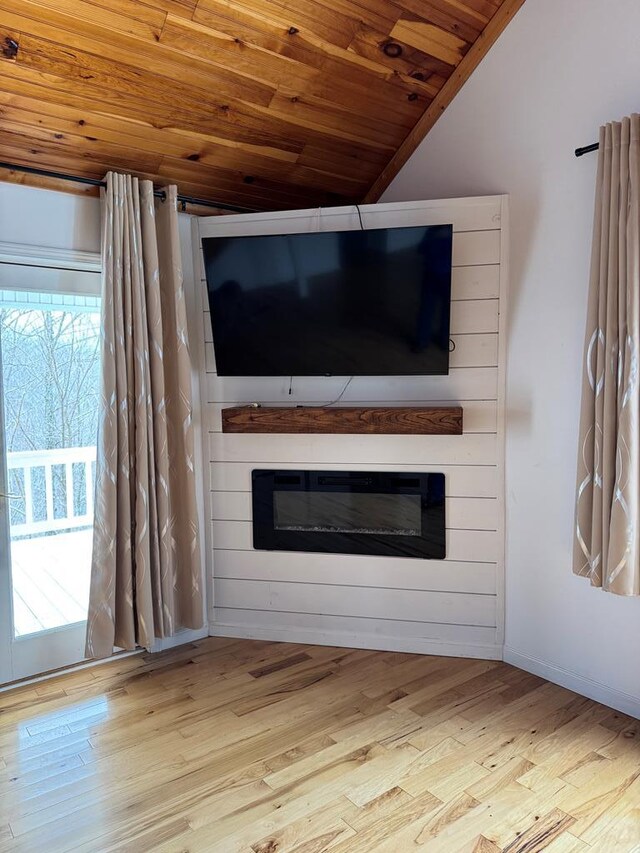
[50,580]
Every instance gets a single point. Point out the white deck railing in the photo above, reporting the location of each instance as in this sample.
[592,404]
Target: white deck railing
[28,461]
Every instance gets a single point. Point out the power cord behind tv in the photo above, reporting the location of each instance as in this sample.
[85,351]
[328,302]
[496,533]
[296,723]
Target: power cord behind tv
[341,394]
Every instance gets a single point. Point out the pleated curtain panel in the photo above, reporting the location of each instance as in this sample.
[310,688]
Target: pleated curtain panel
[608,481]
[146,569]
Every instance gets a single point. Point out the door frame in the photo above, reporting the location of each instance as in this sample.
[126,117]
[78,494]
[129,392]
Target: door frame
[41,269]
[6,598]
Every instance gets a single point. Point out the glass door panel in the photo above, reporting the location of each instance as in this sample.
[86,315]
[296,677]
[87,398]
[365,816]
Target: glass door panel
[50,387]
[51,515]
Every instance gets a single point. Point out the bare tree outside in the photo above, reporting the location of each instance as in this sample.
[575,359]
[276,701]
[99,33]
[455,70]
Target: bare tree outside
[50,385]
[50,367]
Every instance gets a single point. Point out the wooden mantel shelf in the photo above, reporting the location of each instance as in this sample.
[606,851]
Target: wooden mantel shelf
[401,420]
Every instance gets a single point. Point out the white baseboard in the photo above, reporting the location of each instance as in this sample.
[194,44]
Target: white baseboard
[187,636]
[624,702]
[348,640]
[56,673]
[179,639]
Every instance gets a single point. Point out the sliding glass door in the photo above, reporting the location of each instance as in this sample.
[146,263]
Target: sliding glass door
[49,386]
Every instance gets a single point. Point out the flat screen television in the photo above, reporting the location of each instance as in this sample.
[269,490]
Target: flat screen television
[343,303]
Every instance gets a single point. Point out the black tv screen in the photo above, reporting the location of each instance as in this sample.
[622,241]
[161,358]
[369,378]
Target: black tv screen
[343,303]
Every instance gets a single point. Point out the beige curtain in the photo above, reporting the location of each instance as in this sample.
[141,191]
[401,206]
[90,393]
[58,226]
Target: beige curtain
[146,570]
[607,523]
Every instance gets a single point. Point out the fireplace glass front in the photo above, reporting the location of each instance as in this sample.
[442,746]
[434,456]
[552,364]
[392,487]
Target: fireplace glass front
[350,512]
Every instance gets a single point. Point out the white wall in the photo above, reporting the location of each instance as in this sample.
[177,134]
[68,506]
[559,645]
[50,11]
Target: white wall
[56,220]
[559,71]
[453,606]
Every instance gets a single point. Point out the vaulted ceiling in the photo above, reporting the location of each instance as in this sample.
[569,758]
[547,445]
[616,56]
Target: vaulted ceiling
[264,104]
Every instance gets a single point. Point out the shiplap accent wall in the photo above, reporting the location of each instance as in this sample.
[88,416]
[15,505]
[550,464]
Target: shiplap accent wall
[454,606]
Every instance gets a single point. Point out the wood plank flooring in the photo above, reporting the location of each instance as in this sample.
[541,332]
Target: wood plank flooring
[252,747]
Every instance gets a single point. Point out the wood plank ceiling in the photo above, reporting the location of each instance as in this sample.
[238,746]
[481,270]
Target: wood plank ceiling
[264,104]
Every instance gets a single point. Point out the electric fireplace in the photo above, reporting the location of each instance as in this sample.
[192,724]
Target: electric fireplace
[350,512]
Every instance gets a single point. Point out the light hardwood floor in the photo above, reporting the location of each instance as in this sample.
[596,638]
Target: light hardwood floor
[253,747]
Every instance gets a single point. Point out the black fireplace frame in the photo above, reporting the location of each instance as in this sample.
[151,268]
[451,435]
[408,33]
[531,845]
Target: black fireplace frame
[431,544]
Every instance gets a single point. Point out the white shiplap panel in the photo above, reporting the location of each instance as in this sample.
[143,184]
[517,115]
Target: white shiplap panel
[357,632]
[471,383]
[472,316]
[373,602]
[475,282]
[468,317]
[472,248]
[461,480]
[478,415]
[231,506]
[470,350]
[370,602]
[358,570]
[461,513]
[479,546]
[474,350]
[478,449]
[470,214]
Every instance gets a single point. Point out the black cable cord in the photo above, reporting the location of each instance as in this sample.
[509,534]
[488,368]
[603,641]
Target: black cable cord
[360,217]
[341,394]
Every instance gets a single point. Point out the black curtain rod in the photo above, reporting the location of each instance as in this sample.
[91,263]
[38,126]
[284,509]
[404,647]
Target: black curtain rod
[95,182]
[587,149]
